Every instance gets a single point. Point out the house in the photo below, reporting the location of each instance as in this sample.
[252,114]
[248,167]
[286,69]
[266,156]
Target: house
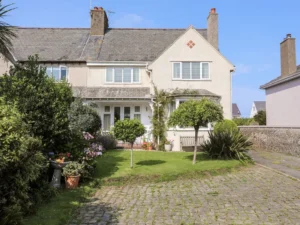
[283,93]
[118,68]
[256,107]
[236,113]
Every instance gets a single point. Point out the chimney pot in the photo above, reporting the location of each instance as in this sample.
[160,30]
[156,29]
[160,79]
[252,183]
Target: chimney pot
[213,10]
[95,8]
[288,36]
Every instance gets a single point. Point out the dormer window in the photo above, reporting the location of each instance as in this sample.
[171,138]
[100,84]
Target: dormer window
[122,75]
[191,71]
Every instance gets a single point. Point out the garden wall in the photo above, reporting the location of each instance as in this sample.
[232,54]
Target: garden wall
[274,139]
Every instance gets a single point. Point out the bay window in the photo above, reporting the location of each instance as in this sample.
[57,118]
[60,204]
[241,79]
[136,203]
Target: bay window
[191,71]
[122,75]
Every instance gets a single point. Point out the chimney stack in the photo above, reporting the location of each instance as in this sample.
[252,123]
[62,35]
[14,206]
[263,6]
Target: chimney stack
[212,28]
[288,55]
[99,21]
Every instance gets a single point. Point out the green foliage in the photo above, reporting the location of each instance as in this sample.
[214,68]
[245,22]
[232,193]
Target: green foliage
[72,169]
[108,141]
[242,121]
[225,125]
[84,118]
[159,117]
[128,130]
[227,145]
[261,117]
[6,31]
[43,103]
[196,114]
[20,165]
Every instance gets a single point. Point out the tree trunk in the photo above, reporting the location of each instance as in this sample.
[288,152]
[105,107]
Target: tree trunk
[131,161]
[195,147]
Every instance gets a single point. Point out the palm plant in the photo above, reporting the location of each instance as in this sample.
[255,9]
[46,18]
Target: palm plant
[6,31]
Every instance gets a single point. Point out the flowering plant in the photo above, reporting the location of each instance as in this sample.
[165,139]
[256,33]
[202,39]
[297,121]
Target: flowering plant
[168,142]
[93,150]
[60,157]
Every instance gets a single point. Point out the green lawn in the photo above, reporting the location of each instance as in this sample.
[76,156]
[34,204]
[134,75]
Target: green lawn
[157,166]
[113,168]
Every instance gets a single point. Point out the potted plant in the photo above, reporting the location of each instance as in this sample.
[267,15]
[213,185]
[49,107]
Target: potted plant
[71,172]
[149,145]
[168,145]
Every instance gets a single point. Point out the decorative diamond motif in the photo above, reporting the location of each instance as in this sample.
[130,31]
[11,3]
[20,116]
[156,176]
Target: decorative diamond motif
[191,44]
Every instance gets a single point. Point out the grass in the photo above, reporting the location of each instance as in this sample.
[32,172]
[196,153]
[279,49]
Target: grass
[60,208]
[114,166]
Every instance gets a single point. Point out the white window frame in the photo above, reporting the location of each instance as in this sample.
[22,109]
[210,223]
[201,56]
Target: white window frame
[201,75]
[60,67]
[113,76]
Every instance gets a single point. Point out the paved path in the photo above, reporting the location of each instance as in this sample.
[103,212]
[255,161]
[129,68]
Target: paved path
[287,164]
[254,195]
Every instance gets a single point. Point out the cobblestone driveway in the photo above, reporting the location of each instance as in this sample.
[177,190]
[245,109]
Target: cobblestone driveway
[253,196]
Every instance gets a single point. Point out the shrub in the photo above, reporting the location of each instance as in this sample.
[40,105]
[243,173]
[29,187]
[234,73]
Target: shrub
[84,118]
[108,141]
[225,125]
[243,121]
[227,145]
[261,118]
[43,102]
[21,163]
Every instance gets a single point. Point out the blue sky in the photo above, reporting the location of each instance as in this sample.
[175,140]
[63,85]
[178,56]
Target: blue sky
[249,31]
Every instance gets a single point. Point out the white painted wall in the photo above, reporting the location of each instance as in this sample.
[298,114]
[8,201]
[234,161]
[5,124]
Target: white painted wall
[220,75]
[282,104]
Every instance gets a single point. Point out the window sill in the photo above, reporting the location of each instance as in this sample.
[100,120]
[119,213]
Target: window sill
[191,79]
[122,83]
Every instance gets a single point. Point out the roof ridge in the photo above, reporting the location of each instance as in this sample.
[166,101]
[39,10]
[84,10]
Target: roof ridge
[113,28]
[62,28]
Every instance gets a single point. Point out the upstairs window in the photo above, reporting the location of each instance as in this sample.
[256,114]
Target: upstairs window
[59,73]
[191,71]
[122,75]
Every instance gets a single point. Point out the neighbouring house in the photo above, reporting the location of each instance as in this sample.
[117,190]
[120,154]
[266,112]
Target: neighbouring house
[256,107]
[117,68]
[283,93]
[236,113]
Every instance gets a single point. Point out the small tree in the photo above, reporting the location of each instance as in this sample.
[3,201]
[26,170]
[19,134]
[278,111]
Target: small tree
[261,117]
[84,118]
[196,114]
[127,131]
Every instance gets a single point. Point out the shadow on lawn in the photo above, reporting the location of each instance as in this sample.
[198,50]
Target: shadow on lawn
[108,165]
[200,156]
[150,162]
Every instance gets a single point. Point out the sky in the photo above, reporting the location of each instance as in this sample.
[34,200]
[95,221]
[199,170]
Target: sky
[249,31]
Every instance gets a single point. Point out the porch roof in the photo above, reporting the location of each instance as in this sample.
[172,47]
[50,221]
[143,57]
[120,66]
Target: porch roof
[112,92]
[193,92]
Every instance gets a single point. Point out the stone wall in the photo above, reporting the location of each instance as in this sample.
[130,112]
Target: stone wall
[274,139]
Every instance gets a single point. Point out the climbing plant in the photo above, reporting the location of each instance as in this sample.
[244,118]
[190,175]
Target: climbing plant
[161,101]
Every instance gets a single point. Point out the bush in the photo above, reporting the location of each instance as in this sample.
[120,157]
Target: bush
[225,125]
[108,141]
[243,121]
[21,163]
[261,118]
[227,145]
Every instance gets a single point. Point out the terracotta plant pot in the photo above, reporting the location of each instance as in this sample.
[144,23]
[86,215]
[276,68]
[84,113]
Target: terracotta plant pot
[72,182]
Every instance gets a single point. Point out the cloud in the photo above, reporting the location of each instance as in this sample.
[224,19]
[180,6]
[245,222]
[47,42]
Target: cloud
[242,68]
[131,21]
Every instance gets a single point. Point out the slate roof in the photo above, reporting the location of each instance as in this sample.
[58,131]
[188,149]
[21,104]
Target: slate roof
[235,110]
[111,92]
[77,45]
[280,79]
[260,105]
